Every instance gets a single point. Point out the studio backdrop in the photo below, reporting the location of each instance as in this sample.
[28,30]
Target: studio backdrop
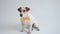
[47,13]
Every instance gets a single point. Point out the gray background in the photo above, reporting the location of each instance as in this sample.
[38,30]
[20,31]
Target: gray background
[47,13]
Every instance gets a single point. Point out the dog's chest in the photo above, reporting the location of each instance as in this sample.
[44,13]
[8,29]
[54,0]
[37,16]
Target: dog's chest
[25,20]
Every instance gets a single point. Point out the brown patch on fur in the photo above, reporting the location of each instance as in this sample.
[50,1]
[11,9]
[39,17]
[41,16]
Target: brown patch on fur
[27,9]
[19,9]
[33,26]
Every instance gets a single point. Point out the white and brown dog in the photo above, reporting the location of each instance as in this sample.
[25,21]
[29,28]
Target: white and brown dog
[28,21]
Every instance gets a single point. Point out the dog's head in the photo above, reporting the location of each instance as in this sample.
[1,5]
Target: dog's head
[23,11]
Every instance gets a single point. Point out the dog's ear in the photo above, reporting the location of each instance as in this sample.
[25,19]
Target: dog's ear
[27,9]
[19,9]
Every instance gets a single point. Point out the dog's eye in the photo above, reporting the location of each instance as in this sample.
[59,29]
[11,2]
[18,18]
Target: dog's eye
[20,11]
[23,10]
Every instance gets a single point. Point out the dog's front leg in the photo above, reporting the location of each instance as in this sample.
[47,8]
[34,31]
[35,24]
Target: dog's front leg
[22,27]
[29,30]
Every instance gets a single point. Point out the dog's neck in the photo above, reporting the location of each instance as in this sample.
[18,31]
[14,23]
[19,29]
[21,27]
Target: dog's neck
[23,19]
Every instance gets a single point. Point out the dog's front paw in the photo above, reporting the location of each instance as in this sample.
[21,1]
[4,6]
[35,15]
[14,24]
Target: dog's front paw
[22,31]
[28,32]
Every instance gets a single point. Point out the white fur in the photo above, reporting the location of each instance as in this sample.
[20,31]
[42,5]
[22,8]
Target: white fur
[32,21]
[27,22]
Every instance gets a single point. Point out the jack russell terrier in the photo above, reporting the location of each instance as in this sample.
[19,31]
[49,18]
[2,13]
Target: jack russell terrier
[27,20]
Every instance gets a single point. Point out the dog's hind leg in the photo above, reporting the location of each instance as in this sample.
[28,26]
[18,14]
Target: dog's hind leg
[35,27]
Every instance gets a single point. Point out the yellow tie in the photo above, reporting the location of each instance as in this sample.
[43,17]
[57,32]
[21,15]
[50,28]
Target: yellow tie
[24,19]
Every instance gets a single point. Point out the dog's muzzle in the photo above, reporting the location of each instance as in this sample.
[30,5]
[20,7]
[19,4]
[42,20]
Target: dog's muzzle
[21,15]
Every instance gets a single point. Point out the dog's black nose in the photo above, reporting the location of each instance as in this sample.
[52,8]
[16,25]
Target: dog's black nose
[21,15]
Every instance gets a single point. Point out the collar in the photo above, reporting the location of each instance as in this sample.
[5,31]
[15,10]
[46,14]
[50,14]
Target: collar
[25,19]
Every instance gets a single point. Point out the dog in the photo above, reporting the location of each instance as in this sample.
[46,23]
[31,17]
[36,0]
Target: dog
[27,20]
